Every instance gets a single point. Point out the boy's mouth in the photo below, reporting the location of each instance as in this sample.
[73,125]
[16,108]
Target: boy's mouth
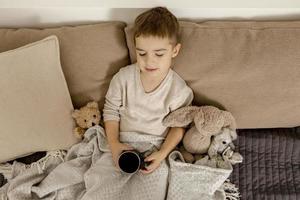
[150,69]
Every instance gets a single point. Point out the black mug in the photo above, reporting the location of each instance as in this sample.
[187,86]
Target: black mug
[131,161]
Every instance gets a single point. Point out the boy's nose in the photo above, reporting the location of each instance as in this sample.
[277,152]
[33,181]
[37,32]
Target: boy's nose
[150,64]
[150,61]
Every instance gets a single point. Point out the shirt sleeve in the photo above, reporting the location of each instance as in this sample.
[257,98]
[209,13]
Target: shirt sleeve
[113,99]
[184,98]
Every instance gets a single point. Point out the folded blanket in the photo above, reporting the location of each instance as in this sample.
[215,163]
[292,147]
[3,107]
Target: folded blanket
[87,172]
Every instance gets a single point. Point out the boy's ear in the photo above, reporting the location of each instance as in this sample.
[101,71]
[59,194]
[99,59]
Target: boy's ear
[176,50]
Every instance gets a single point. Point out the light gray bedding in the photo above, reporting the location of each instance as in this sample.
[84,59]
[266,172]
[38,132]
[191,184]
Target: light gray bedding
[87,172]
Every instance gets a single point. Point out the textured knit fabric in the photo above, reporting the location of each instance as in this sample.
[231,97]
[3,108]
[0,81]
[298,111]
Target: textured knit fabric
[141,112]
[87,173]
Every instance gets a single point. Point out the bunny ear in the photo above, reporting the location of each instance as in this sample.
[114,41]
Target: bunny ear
[229,120]
[181,117]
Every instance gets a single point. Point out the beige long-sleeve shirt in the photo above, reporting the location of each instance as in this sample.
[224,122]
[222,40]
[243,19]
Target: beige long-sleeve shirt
[138,111]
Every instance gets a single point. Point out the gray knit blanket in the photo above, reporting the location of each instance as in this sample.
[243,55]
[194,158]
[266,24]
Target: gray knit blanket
[87,172]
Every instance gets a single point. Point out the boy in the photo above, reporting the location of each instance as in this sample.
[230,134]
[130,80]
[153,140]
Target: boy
[139,97]
[156,42]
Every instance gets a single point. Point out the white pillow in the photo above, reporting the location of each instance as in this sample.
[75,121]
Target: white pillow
[35,104]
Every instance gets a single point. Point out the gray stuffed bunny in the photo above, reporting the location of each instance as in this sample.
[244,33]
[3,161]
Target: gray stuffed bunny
[206,122]
[221,141]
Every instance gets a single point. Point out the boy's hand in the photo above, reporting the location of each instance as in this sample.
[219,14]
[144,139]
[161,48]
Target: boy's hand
[116,150]
[155,159]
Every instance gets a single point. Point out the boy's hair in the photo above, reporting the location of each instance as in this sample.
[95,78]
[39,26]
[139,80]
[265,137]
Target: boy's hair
[158,21]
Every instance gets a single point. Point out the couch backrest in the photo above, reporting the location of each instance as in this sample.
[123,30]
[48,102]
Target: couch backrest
[90,55]
[251,69]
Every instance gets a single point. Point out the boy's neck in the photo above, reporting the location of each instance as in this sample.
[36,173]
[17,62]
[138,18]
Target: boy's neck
[158,78]
[150,83]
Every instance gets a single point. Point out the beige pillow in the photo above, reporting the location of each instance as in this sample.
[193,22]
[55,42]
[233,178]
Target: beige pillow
[251,69]
[35,103]
[90,55]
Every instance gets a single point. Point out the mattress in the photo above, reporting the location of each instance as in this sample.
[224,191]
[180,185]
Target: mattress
[270,169]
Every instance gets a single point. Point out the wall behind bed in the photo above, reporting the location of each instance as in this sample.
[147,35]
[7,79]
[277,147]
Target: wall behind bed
[36,13]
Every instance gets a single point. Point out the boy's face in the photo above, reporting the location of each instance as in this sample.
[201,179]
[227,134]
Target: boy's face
[154,54]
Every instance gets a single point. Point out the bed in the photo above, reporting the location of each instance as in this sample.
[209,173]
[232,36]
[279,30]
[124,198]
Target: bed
[249,68]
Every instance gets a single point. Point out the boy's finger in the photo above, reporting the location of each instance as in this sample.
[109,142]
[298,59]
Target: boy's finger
[149,158]
[116,164]
[144,171]
[149,170]
[150,167]
[128,147]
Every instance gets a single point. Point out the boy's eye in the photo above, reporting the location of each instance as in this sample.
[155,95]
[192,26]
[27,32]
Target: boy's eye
[159,55]
[142,54]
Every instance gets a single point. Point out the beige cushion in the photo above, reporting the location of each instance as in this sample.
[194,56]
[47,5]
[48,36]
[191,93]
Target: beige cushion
[249,68]
[35,103]
[90,55]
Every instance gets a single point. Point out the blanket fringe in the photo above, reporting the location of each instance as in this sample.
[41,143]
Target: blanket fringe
[231,191]
[41,163]
[7,169]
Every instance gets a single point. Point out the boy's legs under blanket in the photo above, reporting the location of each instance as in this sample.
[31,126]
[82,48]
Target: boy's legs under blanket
[104,181]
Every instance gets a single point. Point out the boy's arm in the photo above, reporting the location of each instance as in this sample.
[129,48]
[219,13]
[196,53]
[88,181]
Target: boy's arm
[111,118]
[111,115]
[112,131]
[112,134]
[174,136]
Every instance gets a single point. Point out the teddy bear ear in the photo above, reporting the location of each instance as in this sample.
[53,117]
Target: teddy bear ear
[75,113]
[92,104]
[181,117]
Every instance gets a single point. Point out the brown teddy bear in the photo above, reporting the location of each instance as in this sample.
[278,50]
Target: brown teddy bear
[207,122]
[86,117]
